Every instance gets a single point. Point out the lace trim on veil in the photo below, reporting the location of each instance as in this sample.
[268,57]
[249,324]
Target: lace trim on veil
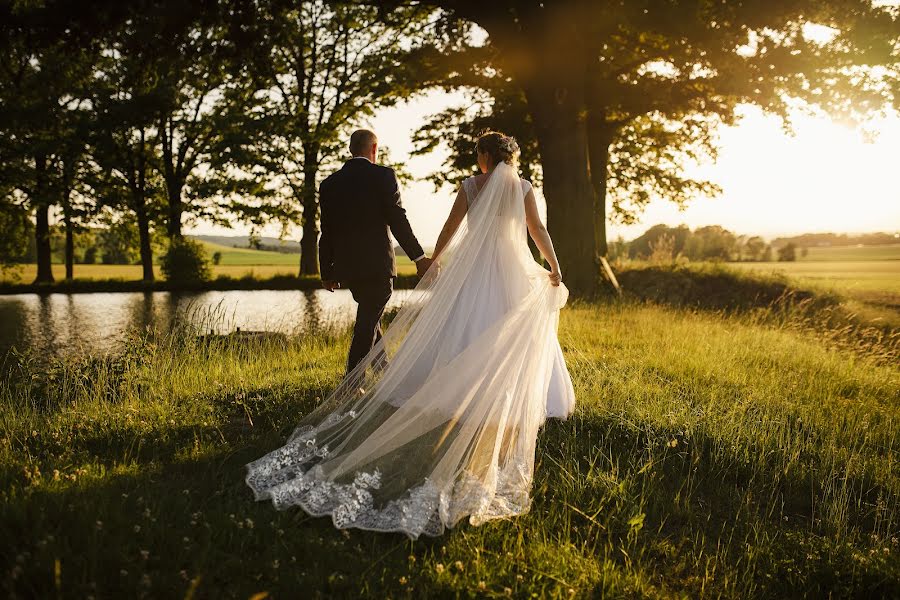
[279,477]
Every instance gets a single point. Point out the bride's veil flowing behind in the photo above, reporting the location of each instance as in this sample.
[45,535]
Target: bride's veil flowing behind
[440,419]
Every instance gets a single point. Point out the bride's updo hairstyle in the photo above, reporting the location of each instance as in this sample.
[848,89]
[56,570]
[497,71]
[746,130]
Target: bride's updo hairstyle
[500,147]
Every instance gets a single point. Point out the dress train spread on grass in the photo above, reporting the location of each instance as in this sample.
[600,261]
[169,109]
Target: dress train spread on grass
[439,422]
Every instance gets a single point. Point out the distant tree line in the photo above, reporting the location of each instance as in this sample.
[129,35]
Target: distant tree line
[810,240]
[662,243]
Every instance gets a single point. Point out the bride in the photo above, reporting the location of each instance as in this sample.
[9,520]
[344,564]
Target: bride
[440,420]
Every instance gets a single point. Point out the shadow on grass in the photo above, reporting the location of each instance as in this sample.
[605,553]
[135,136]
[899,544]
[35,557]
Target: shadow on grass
[157,516]
[705,499]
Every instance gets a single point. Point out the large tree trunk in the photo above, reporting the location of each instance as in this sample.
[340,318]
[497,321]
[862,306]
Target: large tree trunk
[70,241]
[600,136]
[139,199]
[175,210]
[174,182]
[42,223]
[542,51]
[562,137]
[143,223]
[309,243]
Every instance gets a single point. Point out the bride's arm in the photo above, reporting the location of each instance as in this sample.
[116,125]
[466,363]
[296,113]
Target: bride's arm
[455,217]
[541,237]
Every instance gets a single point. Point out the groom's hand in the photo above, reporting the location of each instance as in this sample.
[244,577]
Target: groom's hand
[330,284]
[422,265]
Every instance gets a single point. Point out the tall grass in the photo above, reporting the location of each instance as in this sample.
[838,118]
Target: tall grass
[710,456]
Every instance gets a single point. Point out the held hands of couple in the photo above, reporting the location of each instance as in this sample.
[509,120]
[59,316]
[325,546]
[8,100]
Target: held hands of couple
[423,264]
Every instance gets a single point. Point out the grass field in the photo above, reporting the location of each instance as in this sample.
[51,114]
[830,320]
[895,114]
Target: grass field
[847,276]
[711,456]
[246,256]
[231,269]
[844,253]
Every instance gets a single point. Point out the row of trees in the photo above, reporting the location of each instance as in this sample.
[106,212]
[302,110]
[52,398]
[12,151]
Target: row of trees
[164,111]
[713,242]
[157,113]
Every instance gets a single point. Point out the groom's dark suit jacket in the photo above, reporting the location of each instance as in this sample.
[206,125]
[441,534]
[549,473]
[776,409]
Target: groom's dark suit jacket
[360,202]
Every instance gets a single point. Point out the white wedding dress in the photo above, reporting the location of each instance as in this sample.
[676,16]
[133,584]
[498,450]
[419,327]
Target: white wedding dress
[440,420]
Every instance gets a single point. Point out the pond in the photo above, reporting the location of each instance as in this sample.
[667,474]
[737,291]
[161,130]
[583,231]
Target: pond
[56,324]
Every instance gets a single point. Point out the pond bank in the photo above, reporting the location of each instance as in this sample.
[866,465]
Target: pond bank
[219,284]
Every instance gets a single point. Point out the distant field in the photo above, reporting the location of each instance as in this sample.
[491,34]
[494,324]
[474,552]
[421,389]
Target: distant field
[231,267]
[842,253]
[859,278]
[246,256]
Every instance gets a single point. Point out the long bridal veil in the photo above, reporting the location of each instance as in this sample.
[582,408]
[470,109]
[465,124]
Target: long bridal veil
[440,420]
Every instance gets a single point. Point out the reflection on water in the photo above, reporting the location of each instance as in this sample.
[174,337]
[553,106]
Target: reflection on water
[91,323]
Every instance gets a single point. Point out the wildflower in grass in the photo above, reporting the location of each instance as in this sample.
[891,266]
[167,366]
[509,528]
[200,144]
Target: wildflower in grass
[145,554]
[439,568]
[183,574]
[508,592]
[275,564]
[459,566]
[249,522]
[403,580]
[137,528]
[98,525]
[482,586]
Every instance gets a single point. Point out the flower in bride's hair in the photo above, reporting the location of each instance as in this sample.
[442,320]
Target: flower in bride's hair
[509,145]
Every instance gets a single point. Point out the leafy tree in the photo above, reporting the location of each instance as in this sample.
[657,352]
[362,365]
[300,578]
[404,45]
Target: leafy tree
[127,163]
[788,252]
[329,67]
[590,70]
[642,246]
[755,246]
[712,242]
[15,231]
[205,78]
[44,69]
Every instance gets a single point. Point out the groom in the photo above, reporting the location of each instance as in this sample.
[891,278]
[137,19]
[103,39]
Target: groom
[359,203]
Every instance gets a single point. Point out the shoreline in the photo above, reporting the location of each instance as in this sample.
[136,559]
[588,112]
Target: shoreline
[92,286]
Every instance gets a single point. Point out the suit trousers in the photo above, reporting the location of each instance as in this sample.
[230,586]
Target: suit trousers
[372,298]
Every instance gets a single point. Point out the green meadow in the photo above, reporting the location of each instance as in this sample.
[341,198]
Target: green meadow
[235,263]
[724,446]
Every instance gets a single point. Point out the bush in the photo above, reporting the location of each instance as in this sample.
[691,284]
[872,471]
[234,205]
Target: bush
[185,261]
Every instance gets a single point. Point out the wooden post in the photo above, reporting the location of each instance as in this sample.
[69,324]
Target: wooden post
[607,270]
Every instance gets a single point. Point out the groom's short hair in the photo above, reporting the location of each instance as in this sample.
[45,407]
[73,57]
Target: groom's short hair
[361,140]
